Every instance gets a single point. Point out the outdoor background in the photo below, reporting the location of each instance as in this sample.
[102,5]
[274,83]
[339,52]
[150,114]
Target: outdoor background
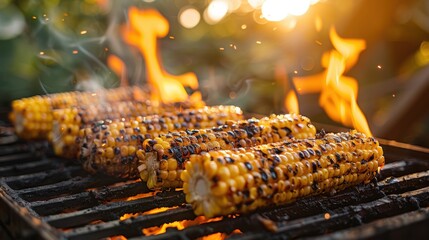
[242,59]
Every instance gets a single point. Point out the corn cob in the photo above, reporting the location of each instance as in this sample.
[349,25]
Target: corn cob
[68,121]
[225,182]
[32,117]
[113,147]
[163,158]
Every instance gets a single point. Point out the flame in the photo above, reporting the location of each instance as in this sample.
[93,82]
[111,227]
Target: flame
[145,27]
[219,236]
[291,102]
[338,93]
[179,225]
[118,67]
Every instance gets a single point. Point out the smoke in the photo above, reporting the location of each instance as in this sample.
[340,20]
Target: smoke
[73,57]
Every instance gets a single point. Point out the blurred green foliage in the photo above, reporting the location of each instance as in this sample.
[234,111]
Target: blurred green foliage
[49,46]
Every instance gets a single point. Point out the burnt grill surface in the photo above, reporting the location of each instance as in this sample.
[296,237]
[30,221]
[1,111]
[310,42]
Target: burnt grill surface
[50,198]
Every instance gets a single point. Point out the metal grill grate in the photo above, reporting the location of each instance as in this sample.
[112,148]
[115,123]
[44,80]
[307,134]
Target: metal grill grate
[50,198]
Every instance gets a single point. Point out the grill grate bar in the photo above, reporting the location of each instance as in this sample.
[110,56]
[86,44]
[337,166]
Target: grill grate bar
[18,157]
[72,204]
[113,210]
[44,178]
[87,199]
[401,168]
[350,216]
[226,225]
[130,227]
[376,229]
[73,185]
[24,168]
[303,213]
[19,148]
[302,208]
[361,194]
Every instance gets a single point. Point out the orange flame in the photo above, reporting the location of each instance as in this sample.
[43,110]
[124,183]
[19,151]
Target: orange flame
[338,93]
[118,67]
[219,236]
[146,26]
[179,225]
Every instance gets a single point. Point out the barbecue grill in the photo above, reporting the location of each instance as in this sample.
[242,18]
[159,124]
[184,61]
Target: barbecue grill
[45,197]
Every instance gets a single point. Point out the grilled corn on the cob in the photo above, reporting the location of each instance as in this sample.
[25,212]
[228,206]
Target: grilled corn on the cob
[68,121]
[163,158]
[114,148]
[225,182]
[32,117]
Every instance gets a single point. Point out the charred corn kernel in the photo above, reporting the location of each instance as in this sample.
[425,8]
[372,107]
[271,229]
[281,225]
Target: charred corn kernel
[32,117]
[261,187]
[68,121]
[235,134]
[146,142]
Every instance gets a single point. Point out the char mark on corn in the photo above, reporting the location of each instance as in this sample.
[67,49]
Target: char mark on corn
[114,147]
[32,117]
[67,122]
[238,181]
[163,158]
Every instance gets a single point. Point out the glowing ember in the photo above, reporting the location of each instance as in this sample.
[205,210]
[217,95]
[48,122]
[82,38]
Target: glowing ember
[338,93]
[179,225]
[120,237]
[219,236]
[152,211]
[146,26]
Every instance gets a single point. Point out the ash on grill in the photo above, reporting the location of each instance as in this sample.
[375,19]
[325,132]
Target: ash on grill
[45,197]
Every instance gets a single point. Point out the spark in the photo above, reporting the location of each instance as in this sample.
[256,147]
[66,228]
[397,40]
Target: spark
[244,26]
[106,49]
[75,52]
[42,53]
[34,17]
[379,66]
[83,32]
[296,72]
[258,42]
[221,48]
[319,42]
[327,216]
[172,37]
[393,95]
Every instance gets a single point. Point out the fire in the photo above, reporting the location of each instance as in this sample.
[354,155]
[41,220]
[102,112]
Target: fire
[338,93]
[118,67]
[219,236]
[179,225]
[152,211]
[145,27]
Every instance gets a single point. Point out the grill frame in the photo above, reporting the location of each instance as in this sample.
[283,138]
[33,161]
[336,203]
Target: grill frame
[25,205]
